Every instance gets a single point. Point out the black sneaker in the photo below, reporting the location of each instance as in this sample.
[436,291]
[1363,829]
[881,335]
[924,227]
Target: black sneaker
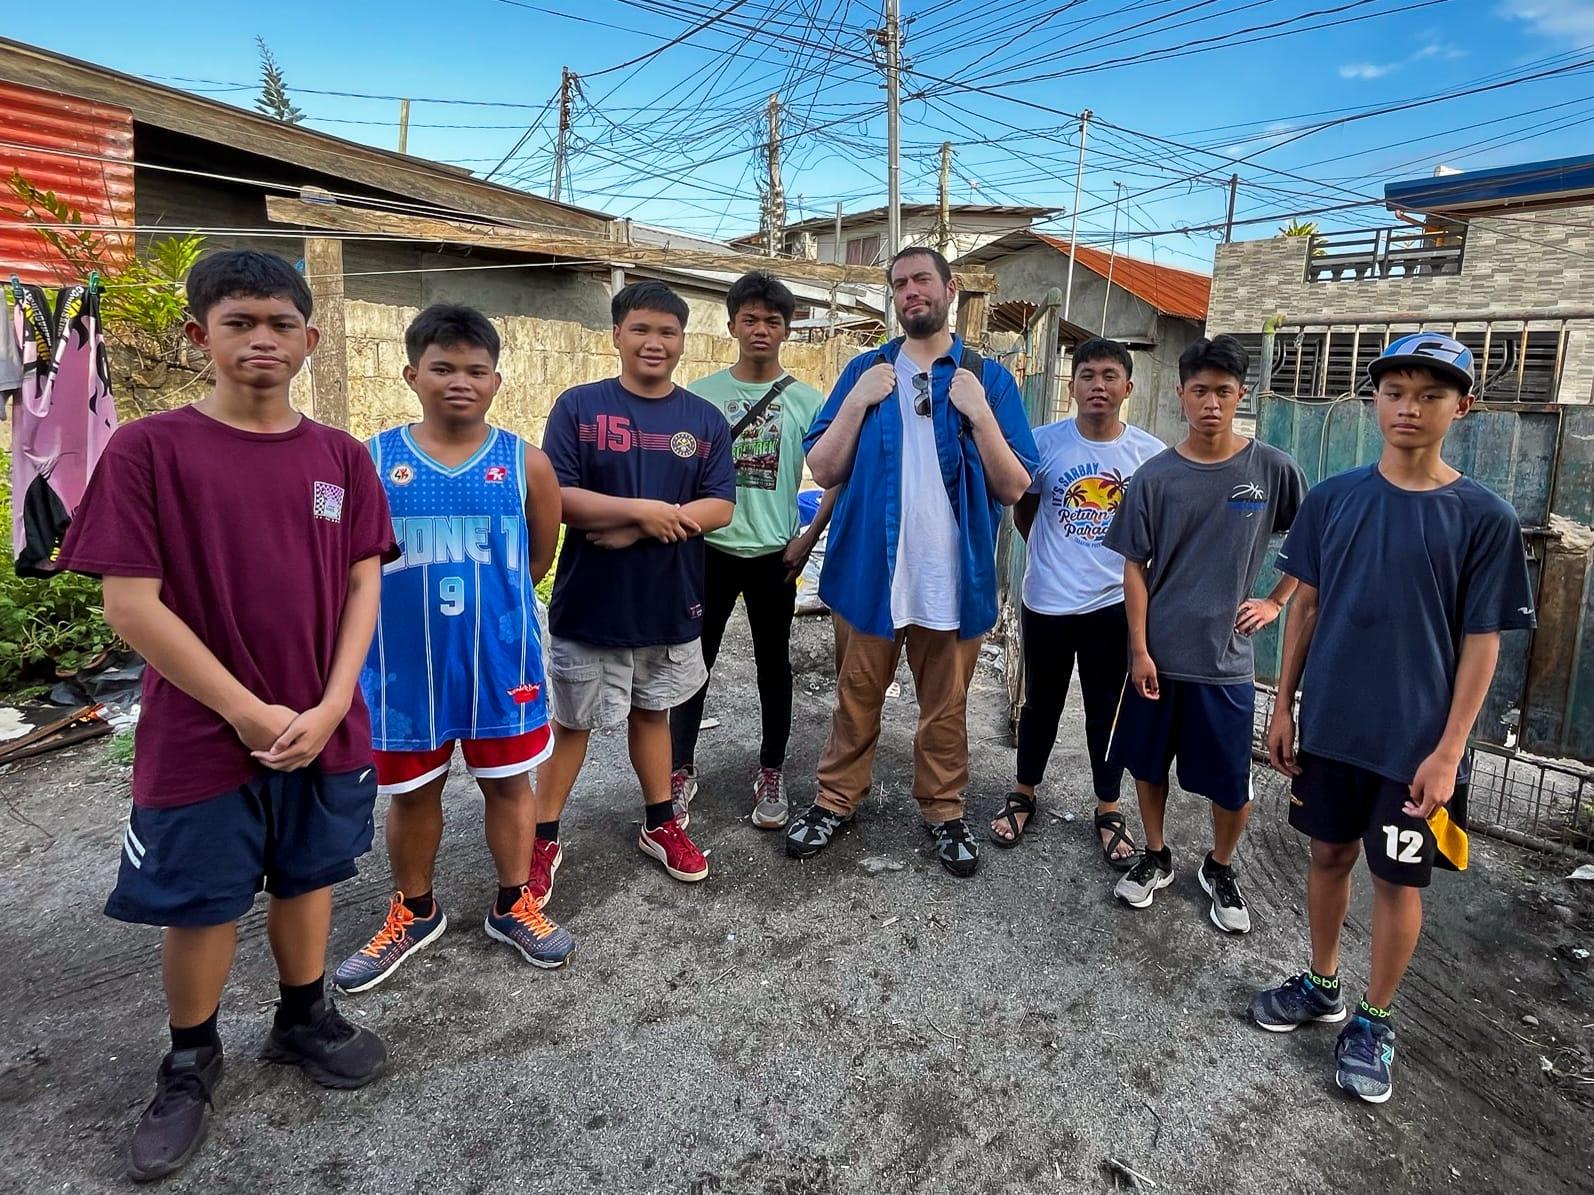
[175,1122]
[955,846]
[329,1049]
[1295,1002]
[812,830]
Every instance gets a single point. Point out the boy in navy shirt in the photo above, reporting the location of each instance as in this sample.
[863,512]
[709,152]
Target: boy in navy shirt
[241,546]
[644,470]
[1408,573]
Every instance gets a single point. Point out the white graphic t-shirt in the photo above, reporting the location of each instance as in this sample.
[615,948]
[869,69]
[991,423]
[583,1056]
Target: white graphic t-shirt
[1080,483]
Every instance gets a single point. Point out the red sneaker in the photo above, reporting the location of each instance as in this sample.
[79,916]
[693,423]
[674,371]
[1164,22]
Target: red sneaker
[545,858]
[671,847]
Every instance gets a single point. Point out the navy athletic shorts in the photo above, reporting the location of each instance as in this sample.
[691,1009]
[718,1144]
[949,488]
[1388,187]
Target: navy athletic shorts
[1206,728]
[286,833]
[1333,801]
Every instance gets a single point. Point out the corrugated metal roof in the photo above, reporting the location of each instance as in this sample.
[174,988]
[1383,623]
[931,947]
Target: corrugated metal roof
[35,121]
[1170,290]
[1557,183]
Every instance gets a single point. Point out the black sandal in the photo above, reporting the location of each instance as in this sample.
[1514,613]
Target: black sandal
[1114,821]
[1017,803]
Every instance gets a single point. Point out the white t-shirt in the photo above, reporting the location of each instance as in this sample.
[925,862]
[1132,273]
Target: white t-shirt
[1080,483]
[924,587]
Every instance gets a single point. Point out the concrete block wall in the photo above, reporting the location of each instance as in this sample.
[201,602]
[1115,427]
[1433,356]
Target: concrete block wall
[1540,259]
[540,359]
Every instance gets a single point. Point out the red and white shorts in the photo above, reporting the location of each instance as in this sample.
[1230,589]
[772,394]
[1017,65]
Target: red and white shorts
[486,759]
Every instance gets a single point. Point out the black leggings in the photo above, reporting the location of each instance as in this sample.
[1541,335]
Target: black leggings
[771,602]
[1100,641]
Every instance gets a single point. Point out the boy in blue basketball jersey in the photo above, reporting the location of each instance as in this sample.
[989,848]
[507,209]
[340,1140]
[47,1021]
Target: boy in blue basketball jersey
[1409,571]
[457,655]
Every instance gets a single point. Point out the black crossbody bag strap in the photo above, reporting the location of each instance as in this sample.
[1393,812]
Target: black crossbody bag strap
[759,407]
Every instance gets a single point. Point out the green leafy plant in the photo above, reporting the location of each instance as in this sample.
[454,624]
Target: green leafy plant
[121,750]
[143,305]
[45,625]
[1299,228]
[273,100]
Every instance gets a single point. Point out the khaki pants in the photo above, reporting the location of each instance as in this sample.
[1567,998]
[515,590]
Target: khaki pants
[942,667]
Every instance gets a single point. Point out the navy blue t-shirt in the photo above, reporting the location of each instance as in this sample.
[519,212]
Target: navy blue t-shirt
[603,438]
[1402,576]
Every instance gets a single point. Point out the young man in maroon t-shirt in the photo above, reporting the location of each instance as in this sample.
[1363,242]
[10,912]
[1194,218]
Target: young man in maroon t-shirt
[241,546]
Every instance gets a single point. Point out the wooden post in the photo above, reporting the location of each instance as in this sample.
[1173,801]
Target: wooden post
[329,364]
[973,309]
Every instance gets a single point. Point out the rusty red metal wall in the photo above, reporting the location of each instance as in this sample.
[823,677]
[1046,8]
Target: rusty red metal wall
[81,150]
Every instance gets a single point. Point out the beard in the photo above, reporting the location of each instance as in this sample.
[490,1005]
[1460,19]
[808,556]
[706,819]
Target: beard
[927,322]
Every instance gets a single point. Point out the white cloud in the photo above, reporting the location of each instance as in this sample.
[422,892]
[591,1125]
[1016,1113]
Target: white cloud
[1439,49]
[1569,19]
[1366,70]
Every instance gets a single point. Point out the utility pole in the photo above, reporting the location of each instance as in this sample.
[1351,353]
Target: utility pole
[566,87]
[404,126]
[943,232]
[891,38]
[1228,221]
[774,213]
[1073,235]
[839,256]
[1112,258]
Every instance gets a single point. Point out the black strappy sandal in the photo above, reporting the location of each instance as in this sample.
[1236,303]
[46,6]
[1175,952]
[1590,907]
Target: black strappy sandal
[1114,821]
[1017,803]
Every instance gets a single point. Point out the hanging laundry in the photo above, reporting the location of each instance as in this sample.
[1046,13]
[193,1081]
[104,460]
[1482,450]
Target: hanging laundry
[10,353]
[64,417]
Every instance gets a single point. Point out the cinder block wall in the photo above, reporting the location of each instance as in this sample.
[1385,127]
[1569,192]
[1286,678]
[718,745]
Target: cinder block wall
[1540,259]
[541,359]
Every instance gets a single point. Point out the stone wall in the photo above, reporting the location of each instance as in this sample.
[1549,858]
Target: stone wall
[540,359]
[1542,259]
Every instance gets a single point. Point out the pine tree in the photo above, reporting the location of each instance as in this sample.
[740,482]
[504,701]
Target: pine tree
[273,100]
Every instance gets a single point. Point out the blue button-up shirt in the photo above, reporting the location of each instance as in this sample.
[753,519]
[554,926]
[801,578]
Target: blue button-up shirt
[861,552]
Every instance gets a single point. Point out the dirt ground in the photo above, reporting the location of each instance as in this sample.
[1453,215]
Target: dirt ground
[862,1022]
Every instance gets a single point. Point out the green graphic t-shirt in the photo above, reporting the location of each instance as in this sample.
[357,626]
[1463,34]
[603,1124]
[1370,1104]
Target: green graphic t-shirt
[768,456]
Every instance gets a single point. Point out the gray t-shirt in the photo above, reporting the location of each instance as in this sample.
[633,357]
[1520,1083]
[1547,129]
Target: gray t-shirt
[1202,531]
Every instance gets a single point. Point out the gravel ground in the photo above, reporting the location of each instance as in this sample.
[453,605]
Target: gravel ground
[861,1022]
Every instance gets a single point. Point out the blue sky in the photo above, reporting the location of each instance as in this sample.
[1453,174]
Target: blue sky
[673,139]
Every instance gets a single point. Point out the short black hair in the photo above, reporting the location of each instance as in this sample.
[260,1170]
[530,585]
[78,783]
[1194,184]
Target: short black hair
[1222,353]
[942,266]
[245,274]
[648,296]
[1099,348]
[760,286]
[448,324]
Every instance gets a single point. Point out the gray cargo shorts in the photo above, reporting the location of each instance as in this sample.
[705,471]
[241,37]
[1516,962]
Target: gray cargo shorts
[590,687]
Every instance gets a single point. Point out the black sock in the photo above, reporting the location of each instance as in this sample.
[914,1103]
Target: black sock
[1164,856]
[1328,983]
[298,1000]
[423,906]
[1378,1016]
[507,896]
[548,831]
[198,1037]
[657,814]
[1214,867]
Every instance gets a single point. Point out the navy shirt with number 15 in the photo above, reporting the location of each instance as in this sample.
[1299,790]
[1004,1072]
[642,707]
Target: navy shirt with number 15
[603,438]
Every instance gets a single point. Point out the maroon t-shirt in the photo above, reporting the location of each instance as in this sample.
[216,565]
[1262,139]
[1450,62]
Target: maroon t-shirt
[253,536]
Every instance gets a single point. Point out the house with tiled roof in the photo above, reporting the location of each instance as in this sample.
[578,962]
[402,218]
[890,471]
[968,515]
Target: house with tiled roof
[1156,309]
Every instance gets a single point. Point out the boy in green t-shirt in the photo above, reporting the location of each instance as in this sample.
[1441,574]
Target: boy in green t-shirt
[759,555]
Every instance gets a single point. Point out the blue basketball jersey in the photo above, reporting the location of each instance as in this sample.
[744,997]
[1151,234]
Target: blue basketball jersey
[457,652]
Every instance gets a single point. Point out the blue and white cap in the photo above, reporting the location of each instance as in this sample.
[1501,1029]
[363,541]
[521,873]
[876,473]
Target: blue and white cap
[1442,355]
